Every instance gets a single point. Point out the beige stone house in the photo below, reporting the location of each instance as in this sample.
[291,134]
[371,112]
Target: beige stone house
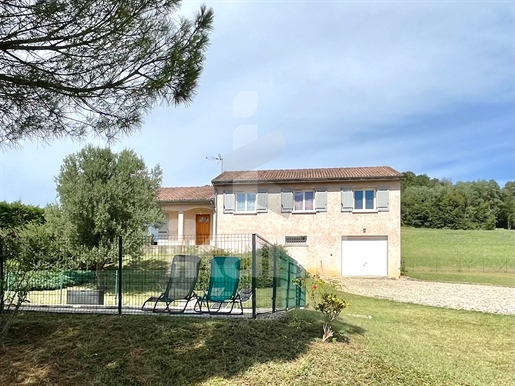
[334,221]
[190,212]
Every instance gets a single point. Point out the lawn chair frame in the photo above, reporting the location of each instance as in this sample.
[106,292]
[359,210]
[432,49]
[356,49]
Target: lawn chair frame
[222,291]
[181,284]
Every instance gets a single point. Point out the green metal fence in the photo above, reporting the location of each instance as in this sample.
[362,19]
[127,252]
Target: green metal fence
[275,274]
[458,263]
[266,269]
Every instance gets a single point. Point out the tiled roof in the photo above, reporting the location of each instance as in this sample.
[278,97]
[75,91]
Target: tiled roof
[186,194]
[301,175]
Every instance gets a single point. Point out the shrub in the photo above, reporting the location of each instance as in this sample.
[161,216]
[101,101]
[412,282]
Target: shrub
[323,300]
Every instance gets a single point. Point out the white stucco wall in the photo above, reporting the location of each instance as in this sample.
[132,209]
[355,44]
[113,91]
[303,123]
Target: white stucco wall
[324,229]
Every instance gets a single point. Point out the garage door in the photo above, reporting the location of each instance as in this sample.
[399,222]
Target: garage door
[364,256]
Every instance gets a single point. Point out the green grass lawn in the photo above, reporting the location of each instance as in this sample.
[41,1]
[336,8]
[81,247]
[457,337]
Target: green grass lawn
[379,343]
[473,256]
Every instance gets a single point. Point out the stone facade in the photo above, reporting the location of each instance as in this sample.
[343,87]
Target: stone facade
[313,236]
[324,230]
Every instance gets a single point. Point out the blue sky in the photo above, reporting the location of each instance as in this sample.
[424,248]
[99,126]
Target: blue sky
[426,86]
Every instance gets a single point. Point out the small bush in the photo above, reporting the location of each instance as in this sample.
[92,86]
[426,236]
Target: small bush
[323,300]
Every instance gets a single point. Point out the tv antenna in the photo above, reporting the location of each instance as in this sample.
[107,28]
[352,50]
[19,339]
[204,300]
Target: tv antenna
[219,159]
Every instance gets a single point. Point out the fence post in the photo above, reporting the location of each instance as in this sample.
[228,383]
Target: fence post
[254,270]
[297,288]
[120,261]
[274,280]
[288,284]
[61,284]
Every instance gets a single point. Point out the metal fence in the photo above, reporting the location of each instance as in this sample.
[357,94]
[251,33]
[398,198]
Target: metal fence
[267,276]
[459,263]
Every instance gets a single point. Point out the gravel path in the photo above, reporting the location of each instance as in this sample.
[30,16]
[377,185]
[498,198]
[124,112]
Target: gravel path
[484,298]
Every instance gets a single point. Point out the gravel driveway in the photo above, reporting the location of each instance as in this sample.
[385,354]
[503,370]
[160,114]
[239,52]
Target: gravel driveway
[485,298]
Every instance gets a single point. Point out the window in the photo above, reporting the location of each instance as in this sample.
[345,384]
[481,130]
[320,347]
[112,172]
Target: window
[304,201]
[245,202]
[296,240]
[307,201]
[163,229]
[364,199]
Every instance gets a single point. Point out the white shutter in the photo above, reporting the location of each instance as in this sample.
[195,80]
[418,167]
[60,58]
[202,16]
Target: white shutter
[262,202]
[347,200]
[321,201]
[383,200]
[229,202]
[286,201]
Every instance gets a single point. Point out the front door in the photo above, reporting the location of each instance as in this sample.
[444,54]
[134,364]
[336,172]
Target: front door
[203,229]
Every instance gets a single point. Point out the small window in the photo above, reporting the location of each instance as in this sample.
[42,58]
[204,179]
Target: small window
[364,199]
[304,201]
[296,240]
[163,229]
[245,202]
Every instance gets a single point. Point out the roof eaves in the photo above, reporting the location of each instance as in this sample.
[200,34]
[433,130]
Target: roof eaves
[206,201]
[300,180]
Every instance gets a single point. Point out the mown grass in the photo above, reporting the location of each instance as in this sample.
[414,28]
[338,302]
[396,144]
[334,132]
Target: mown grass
[473,256]
[379,343]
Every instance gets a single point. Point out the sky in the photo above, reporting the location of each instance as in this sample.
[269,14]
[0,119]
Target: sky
[422,86]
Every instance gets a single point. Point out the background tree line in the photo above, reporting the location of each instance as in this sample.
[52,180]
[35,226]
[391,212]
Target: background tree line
[433,203]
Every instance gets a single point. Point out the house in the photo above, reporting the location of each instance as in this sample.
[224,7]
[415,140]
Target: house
[190,211]
[334,221]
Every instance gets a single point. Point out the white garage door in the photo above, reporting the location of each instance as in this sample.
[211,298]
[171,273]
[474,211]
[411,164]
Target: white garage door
[364,256]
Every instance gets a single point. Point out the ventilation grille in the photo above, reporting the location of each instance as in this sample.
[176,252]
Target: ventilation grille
[296,240]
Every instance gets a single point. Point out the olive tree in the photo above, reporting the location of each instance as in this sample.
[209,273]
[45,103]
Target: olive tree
[103,195]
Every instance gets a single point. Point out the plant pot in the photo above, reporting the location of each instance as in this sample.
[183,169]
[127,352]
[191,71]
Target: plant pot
[87,296]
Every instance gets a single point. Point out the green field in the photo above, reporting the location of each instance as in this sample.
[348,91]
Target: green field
[474,256]
[380,342]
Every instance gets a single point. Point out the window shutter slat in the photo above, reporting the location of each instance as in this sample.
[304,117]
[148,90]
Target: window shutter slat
[286,201]
[347,200]
[262,202]
[229,202]
[383,200]
[321,201]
